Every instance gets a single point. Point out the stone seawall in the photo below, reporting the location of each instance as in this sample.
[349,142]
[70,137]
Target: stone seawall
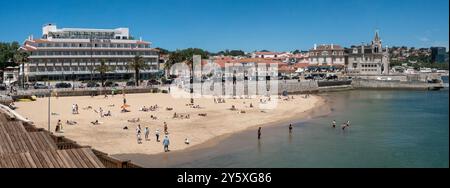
[82,92]
[393,84]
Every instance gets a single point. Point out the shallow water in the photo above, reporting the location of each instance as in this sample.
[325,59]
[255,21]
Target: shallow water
[388,129]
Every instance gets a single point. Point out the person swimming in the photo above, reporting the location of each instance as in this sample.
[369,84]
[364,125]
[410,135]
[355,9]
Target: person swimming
[259,133]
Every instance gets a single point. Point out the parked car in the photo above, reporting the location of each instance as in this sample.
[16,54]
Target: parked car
[331,77]
[3,87]
[309,77]
[63,85]
[153,82]
[111,84]
[40,86]
[168,81]
[92,84]
[131,83]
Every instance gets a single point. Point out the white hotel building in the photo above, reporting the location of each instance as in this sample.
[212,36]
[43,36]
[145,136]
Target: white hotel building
[73,54]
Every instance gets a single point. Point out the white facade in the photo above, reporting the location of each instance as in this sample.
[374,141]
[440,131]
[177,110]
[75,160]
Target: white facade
[327,55]
[74,54]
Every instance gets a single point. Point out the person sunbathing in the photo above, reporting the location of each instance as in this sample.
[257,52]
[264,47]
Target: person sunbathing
[95,122]
[233,108]
[108,114]
[71,122]
[134,120]
[125,110]
[143,109]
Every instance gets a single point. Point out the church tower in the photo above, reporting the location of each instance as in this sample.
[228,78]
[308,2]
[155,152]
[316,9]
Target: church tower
[376,44]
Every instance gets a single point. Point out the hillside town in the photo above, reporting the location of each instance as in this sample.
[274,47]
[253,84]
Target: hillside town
[87,57]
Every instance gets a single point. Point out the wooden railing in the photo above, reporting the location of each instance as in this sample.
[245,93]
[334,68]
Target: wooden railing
[111,162]
[64,143]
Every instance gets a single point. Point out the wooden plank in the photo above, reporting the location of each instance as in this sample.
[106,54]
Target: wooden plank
[23,145]
[73,158]
[30,160]
[57,158]
[30,143]
[11,144]
[52,159]
[35,158]
[37,141]
[3,163]
[49,142]
[64,154]
[82,158]
[24,161]
[14,162]
[63,159]
[91,156]
[77,158]
[85,158]
[46,159]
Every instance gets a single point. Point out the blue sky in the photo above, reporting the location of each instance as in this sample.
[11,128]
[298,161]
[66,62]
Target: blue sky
[249,25]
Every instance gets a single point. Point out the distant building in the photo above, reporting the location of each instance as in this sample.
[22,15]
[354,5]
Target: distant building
[270,55]
[370,59]
[74,54]
[327,55]
[438,54]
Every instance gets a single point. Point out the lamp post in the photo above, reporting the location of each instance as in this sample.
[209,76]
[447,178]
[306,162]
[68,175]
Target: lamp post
[49,111]
[192,82]
[73,80]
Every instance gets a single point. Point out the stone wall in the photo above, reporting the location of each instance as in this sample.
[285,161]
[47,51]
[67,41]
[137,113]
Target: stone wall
[393,84]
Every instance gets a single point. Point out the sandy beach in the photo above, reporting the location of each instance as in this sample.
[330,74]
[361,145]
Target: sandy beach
[110,137]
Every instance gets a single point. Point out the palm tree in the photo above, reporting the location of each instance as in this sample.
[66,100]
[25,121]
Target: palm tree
[103,69]
[137,65]
[21,57]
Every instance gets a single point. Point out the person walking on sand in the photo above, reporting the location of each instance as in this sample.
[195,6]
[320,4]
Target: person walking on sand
[290,128]
[157,135]
[146,132]
[138,134]
[58,127]
[259,133]
[73,108]
[165,128]
[334,123]
[166,143]
[101,112]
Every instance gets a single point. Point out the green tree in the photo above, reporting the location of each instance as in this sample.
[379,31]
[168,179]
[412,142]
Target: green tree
[137,65]
[186,56]
[7,51]
[163,51]
[103,68]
